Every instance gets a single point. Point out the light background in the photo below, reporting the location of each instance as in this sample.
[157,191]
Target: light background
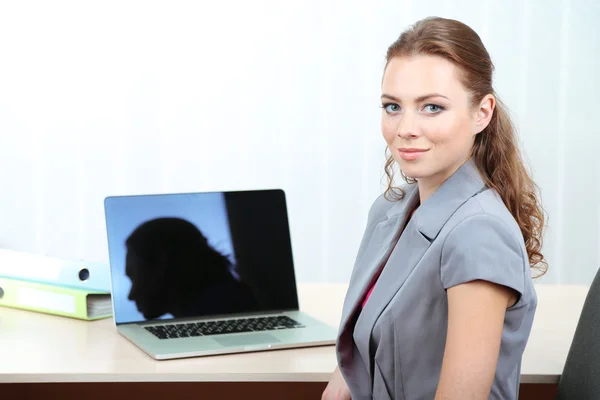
[130,97]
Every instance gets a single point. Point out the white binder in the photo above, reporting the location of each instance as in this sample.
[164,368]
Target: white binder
[32,267]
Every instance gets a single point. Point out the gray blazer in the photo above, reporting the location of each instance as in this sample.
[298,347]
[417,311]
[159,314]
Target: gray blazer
[393,348]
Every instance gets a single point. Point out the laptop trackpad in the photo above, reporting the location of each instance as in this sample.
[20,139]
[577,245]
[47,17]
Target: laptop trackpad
[246,340]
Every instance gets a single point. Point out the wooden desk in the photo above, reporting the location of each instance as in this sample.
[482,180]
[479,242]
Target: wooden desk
[36,348]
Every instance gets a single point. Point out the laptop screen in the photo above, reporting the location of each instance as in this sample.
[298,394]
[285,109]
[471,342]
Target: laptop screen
[199,254]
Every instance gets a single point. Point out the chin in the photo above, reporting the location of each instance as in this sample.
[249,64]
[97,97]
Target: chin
[150,316]
[413,170]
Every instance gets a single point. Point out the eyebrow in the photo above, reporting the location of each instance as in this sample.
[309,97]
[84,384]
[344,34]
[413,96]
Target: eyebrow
[418,99]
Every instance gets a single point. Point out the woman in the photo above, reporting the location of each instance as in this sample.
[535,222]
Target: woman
[441,301]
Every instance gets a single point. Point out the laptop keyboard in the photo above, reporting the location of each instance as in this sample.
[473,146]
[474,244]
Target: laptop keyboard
[183,330]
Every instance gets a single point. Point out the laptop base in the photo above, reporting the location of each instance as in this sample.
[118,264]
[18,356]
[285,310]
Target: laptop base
[313,333]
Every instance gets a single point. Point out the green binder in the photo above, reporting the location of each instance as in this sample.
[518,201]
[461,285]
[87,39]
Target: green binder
[54,299]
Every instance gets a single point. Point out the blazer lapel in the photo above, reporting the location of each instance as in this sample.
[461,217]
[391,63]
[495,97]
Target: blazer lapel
[382,241]
[409,249]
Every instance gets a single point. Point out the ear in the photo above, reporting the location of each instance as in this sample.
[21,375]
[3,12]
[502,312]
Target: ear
[483,114]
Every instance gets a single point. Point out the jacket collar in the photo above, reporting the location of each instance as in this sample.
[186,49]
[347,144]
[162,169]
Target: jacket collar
[431,216]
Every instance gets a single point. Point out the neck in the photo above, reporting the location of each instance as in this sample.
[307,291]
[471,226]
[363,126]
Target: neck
[426,189]
[428,186]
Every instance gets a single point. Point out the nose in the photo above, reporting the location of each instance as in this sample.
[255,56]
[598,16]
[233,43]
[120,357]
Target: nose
[407,127]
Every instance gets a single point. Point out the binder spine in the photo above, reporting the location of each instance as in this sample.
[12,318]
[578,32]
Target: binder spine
[43,298]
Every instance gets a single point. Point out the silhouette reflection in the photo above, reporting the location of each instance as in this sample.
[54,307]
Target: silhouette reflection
[174,270]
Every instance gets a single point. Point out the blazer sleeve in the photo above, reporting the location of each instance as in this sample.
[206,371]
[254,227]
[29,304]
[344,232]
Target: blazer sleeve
[482,247]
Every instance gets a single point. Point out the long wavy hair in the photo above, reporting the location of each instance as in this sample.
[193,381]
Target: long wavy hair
[495,151]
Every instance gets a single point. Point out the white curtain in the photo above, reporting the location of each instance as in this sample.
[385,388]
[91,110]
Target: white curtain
[121,97]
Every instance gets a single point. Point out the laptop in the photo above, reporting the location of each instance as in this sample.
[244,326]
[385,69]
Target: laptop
[198,274]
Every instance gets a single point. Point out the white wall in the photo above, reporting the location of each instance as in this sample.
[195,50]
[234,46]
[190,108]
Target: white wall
[119,97]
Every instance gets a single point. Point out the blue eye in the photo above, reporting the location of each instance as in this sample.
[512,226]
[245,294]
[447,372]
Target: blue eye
[433,108]
[391,107]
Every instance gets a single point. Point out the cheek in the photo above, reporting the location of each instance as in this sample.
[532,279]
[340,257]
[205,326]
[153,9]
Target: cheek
[440,136]
[388,130]
[447,132]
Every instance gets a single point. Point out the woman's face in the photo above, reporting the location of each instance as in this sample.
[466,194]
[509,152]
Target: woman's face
[148,287]
[427,120]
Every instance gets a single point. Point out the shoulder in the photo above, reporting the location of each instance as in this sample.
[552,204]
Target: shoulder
[482,213]
[482,240]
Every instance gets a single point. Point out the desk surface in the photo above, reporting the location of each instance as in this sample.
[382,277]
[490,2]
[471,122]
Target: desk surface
[43,348]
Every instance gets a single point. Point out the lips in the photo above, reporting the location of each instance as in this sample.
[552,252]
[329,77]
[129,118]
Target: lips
[410,154]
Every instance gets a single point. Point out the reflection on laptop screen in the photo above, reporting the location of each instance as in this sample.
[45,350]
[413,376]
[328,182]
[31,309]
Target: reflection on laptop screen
[199,254]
